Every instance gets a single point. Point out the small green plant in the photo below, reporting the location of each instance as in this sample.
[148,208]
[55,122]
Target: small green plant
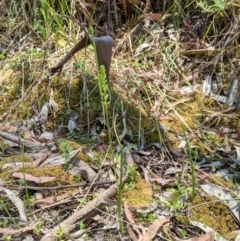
[7,237]
[213,169]
[48,19]
[78,177]
[184,233]
[147,217]
[4,223]
[31,199]
[132,177]
[80,65]
[23,182]
[176,204]
[152,217]
[143,216]
[214,6]
[38,226]
[65,150]
[81,225]
[111,209]
[60,233]
[83,200]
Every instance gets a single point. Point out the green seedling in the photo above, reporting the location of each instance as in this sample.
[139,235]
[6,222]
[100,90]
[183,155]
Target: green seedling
[143,216]
[7,237]
[81,225]
[147,217]
[4,223]
[132,177]
[78,177]
[176,204]
[184,233]
[216,6]
[65,150]
[60,233]
[38,226]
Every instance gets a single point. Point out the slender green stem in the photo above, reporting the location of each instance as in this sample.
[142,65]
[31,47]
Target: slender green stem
[120,183]
[192,162]
[24,180]
[9,215]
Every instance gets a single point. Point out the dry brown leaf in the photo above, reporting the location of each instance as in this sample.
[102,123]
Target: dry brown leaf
[173,149]
[153,229]
[28,135]
[22,230]
[131,220]
[54,199]
[40,159]
[32,178]
[152,16]
[8,127]
[131,233]
[127,213]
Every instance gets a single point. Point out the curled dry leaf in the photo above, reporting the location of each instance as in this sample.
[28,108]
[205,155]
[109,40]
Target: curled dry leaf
[39,159]
[131,220]
[52,102]
[153,229]
[55,199]
[21,230]
[151,16]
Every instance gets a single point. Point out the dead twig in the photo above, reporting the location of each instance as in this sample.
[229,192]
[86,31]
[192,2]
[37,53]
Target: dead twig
[67,225]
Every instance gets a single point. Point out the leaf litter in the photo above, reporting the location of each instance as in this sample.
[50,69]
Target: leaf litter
[162,87]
